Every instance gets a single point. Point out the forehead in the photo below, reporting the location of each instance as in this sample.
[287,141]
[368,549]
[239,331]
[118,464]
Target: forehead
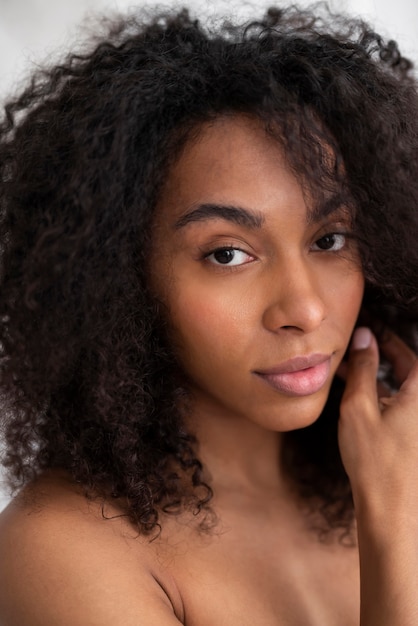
[230,158]
[228,140]
[234,161]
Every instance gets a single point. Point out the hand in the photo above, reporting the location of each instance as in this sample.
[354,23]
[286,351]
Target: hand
[378,431]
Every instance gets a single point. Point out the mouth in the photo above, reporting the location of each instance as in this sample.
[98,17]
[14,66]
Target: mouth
[300,376]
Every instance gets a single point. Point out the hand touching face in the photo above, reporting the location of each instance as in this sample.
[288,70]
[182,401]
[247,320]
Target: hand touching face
[379,429]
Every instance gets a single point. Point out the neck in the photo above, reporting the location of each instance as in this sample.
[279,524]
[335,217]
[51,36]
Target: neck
[237,453]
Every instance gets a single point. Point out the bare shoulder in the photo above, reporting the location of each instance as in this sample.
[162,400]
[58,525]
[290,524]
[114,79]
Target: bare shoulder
[62,561]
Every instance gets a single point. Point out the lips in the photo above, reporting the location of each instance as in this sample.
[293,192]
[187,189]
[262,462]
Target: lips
[300,376]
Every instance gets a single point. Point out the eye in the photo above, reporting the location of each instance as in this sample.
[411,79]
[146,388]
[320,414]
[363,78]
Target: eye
[228,256]
[330,241]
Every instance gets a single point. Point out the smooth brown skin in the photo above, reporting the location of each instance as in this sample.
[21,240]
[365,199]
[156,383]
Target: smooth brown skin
[379,447]
[62,564]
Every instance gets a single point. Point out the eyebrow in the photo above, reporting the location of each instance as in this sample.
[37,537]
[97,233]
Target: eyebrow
[337,203]
[209,211]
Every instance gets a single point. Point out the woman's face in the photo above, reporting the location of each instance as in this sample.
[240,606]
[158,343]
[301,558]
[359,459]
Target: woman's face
[262,296]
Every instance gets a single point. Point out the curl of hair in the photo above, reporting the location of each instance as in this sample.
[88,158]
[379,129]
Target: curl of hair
[89,382]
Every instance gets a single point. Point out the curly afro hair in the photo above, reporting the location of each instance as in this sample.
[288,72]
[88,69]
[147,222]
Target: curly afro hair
[89,382]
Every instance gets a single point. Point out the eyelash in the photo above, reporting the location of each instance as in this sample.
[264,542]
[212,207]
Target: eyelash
[344,235]
[207,256]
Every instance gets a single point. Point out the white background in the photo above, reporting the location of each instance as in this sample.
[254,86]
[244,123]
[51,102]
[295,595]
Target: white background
[35,30]
[31,30]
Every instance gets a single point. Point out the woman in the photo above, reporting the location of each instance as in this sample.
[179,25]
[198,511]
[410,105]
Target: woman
[193,224]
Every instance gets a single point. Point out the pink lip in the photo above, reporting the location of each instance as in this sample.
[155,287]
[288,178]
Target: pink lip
[300,376]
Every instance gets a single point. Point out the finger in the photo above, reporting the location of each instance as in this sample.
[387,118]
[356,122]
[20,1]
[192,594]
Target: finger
[399,354]
[342,370]
[385,402]
[362,367]
[410,385]
[383,390]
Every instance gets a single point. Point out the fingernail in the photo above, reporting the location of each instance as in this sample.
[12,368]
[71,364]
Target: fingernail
[361,339]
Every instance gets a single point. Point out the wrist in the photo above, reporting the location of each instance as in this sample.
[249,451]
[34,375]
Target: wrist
[387,521]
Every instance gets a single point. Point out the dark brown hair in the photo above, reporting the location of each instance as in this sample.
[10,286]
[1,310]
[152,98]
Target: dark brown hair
[88,379]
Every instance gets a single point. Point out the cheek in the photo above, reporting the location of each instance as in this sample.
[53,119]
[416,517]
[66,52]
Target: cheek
[354,292]
[208,323]
[348,296]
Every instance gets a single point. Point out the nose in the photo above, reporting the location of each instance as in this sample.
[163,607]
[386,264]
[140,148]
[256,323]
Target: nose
[296,300]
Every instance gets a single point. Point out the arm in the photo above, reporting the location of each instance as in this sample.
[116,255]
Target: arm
[379,448]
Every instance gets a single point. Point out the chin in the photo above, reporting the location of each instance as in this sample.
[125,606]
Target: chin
[295,413]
